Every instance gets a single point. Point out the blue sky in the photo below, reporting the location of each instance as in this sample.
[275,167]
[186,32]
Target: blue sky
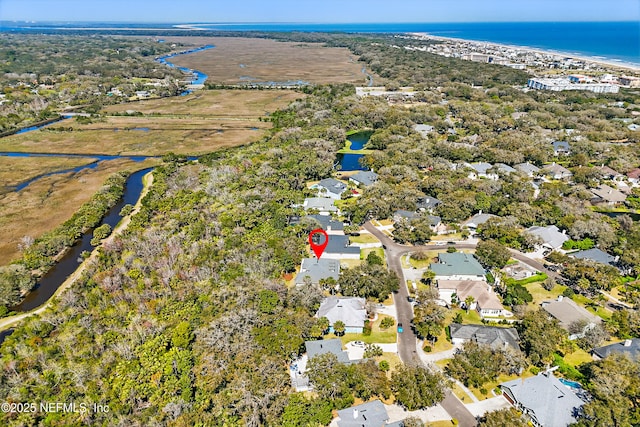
[324,11]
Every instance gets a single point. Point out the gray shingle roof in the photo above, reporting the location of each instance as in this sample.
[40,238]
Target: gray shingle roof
[568,312]
[596,255]
[317,269]
[457,263]
[477,219]
[320,203]
[550,235]
[556,169]
[370,414]
[427,203]
[327,223]
[334,346]
[350,310]
[364,177]
[339,244]
[630,348]
[561,146]
[546,399]
[609,194]
[490,335]
[527,168]
[401,213]
[481,167]
[505,168]
[332,186]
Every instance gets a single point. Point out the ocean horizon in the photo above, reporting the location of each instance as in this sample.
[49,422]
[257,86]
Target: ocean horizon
[615,41]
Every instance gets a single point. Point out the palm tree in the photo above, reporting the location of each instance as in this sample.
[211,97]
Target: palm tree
[468,301]
[339,327]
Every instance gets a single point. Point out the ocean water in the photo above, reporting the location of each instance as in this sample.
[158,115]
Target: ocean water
[605,40]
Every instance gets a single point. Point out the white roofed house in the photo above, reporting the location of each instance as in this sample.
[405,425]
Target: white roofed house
[484,300]
[324,205]
[552,238]
[482,170]
[350,310]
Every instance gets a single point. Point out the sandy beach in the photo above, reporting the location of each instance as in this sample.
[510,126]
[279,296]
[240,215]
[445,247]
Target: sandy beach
[608,63]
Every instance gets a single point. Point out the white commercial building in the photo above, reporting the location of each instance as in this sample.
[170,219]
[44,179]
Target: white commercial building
[560,84]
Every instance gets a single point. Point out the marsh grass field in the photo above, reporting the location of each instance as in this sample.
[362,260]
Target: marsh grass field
[48,202]
[16,170]
[199,123]
[237,60]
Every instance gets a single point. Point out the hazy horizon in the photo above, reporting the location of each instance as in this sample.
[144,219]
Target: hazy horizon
[318,12]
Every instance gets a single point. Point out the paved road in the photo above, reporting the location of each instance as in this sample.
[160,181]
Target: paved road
[407,340]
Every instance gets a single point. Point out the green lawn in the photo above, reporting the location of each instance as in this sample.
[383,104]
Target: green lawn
[378,335]
[364,238]
[578,357]
[540,294]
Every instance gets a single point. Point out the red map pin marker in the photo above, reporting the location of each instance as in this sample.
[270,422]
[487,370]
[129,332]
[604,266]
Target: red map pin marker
[318,248]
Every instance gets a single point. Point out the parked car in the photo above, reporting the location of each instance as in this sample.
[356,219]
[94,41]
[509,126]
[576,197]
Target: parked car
[400,328]
[358,344]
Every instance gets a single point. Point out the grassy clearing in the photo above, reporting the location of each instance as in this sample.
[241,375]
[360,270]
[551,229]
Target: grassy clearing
[578,357]
[364,238]
[15,170]
[540,294]
[364,253]
[347,149]
[493,384]
[237,60]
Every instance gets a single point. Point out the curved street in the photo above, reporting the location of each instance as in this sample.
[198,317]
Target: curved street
[407,340]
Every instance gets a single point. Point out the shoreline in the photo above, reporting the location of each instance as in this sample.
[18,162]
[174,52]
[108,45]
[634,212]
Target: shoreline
[609,63]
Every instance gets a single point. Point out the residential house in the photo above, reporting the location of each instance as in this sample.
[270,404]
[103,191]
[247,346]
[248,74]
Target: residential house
[427,204]
[629,348]
[404,214]
[332,188]
[369,414]
[498,338]
[364,178]
[561,148]
[506,169]
[544,399]
[528,169]
[423,129]
[350,310]
[485,301]
[313,270]
[634,176]
[323,205]
[569,314]
[325,222]
[555,171]
[551,236]
[482,170]
[457,266]
[320,347]
[607,173]
[595,255]
[476,220]
[338,248]
[607,195]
